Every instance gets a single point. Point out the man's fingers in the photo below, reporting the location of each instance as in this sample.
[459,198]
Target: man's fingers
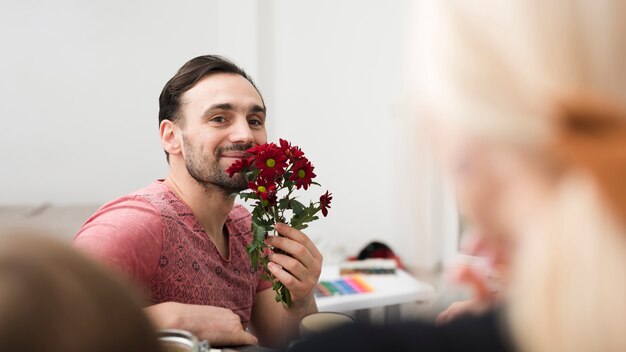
[245,338]
[283,276]
[237,338]
[290,232]
[299,237]
[295,249]
[290,264]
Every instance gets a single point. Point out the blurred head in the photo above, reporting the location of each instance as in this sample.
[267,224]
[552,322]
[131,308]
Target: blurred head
[53,299]
[505,75]
[528,97]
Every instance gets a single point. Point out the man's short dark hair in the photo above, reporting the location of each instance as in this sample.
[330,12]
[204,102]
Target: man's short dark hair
[188,76]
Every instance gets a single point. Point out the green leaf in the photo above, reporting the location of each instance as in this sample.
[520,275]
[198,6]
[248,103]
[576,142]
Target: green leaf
[286,296]
[258,211]
[248,195]
[283,203]
[299,221]
[266,224]
[298,208]
[251,175]
[254,258]
[258,232]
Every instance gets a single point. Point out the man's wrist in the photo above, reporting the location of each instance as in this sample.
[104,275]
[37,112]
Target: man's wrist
[306,305]
[162,315]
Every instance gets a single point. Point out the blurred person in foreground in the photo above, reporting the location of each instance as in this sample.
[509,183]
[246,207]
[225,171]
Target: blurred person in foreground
[183,239]
[53,299]
[534,92]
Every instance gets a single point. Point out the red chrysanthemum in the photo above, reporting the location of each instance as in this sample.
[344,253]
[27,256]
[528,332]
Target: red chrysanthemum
[302,173]
[263,188]
[325,202]
[292,152]
[272,169]
[238,166]
[269,159]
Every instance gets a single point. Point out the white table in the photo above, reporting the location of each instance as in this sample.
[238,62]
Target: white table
[390,290]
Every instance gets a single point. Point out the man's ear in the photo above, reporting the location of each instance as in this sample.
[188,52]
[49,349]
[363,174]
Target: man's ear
[170,137]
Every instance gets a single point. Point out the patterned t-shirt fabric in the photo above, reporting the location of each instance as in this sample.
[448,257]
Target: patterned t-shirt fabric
[154,238]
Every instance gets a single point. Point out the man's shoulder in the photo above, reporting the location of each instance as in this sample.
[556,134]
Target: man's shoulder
[126,207]
[126,212]
[158,197]
[154,192]
[137,201]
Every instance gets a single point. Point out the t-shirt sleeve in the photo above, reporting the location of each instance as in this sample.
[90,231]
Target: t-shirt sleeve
[126,234]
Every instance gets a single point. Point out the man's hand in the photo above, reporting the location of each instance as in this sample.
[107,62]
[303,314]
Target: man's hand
[219,326]
[300,270]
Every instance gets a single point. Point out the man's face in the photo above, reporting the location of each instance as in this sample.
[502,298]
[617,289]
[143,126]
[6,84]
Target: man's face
[222,116]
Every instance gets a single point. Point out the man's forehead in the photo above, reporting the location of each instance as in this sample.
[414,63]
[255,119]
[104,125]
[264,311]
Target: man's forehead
[223,88]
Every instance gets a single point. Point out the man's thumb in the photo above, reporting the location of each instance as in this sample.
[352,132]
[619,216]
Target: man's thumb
[245,338]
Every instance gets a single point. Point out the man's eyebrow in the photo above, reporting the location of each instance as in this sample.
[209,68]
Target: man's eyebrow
[258,108]
[228,106]
[222,106]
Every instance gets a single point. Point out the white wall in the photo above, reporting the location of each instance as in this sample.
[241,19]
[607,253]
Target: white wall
[80,83]
[81,79]
[338,71]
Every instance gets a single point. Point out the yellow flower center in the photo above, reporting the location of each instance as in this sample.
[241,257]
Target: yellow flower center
[301,173]
[262,189]
[270,162]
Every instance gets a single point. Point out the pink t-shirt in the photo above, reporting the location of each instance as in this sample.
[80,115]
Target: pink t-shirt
[153,237]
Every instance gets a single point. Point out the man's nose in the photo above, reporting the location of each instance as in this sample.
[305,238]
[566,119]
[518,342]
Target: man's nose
[241,132]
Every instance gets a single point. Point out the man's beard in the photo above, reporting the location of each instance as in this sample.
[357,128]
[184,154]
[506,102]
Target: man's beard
[209,173]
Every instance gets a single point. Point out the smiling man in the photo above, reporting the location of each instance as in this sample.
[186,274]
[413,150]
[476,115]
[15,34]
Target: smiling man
[183,239]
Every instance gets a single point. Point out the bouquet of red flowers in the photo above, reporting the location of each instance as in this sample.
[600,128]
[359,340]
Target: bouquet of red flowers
[273,173]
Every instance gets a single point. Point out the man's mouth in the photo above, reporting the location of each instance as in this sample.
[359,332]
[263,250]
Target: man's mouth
[235,155]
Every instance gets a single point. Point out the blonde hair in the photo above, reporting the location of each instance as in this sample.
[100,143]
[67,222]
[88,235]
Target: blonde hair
[54,299]
[569,278]
[496,67]
[506,71]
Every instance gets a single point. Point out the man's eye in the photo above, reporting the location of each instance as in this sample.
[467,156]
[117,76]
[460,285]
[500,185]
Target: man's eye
[255,122]
[218,119]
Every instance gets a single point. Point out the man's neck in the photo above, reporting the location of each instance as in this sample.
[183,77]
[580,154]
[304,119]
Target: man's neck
[210,206]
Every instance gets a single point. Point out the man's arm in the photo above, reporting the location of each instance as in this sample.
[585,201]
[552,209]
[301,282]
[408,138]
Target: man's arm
[127,235]
[274,324]
[219,326]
